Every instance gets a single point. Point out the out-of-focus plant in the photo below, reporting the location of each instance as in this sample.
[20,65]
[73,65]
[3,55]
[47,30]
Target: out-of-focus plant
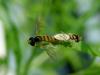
[19,16]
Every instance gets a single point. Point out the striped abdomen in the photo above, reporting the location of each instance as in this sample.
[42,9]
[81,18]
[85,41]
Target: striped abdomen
[74,37]
[46,38]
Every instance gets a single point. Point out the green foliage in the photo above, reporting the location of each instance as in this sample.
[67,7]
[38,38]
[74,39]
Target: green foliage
[56,16]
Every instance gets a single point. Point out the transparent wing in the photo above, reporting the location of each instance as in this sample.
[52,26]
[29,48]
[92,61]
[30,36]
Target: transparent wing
[48,47]
[50,50]
[52,53]
[37,25]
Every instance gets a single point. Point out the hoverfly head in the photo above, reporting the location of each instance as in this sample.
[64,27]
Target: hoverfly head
[31,41]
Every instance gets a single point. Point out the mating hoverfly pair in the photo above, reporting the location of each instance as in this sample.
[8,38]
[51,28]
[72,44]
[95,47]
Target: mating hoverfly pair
[62,37]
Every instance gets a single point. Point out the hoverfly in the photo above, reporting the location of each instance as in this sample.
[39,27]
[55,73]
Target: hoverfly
[53,39]
[62,37]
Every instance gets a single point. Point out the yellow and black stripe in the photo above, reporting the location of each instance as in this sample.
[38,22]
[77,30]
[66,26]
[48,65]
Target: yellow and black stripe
[45,38]
[74,37]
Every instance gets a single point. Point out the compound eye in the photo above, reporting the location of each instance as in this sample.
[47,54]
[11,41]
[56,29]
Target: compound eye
[31,41]
[31,38]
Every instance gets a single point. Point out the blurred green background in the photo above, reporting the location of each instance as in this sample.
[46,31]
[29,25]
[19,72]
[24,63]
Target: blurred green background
[17,24]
